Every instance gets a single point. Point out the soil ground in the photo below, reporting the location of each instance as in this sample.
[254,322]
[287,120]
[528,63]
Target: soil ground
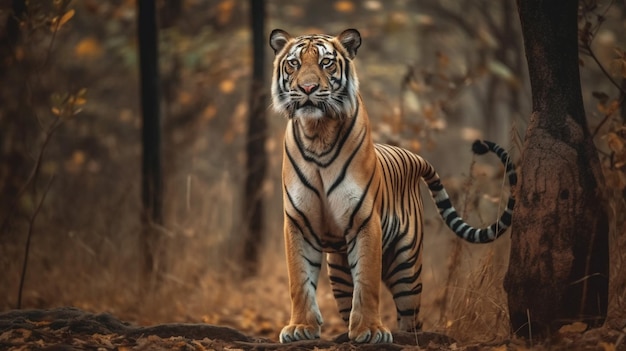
[74,329]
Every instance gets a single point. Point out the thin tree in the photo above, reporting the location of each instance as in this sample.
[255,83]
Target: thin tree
[256,164]
[151,168]
[558,270]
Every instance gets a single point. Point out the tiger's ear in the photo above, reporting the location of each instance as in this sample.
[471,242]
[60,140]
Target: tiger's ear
[351,40]
[278,39]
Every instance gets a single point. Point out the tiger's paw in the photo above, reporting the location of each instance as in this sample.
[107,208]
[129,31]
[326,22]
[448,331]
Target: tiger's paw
[373,334]
[297,332]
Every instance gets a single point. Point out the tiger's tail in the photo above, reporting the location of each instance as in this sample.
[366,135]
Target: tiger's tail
[449,213]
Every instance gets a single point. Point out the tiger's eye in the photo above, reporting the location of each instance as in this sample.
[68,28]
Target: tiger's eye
[326,62]
[293,63]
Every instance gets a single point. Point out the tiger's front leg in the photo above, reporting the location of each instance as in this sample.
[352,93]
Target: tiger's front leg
[365,258]
[304,263]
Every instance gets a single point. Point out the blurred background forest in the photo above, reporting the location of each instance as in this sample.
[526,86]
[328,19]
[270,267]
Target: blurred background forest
[435,75]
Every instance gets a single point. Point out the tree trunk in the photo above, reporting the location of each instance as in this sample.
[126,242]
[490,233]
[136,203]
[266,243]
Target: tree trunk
[558,269]
[256,164]
[13,125]
[151,170]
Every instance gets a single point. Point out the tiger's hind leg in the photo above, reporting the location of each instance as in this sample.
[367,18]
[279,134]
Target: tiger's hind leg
[402,273]
[341,283]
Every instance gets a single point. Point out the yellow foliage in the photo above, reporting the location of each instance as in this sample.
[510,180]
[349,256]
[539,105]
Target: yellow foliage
[225,11]
[344,6]
[209,113]
[78,157]
[88,48]
[185,98]
[227,86]
[76,162]
[57,22]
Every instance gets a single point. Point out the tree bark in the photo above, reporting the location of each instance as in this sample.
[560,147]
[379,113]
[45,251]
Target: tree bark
[256,164]
[151,168]
[558,269]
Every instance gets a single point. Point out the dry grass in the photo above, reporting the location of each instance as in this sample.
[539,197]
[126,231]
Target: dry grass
[97,270]
[617,253]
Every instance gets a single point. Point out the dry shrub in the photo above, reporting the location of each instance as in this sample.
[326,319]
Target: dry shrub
[472,303]
[617,247]
[475,306]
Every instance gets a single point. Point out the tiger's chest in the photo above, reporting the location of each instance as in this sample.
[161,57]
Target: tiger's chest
[329,199]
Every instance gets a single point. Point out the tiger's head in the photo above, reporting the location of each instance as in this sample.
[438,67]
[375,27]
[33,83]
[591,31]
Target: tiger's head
[314,76]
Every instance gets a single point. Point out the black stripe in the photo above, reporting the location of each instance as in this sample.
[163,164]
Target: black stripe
[295,223]
[402,266]
[344,169]
[301,176]
[339,280]
[307,223]
[314,264]
[338,267]
[408,280]
[415,291]
[340,294]
[409,312]
[358,205]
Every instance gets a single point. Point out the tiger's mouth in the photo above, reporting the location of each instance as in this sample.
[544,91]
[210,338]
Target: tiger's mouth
[308,103]
[308,109]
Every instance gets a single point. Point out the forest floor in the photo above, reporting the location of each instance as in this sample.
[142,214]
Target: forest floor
[75,329]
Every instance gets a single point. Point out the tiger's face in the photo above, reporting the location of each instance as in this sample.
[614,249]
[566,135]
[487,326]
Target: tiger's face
[314,76]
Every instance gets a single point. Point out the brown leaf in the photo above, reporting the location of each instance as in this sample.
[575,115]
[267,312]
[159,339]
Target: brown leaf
[227,86]
[607,346]
[225,11]
[576,327]
[615,142]
[344,6]
[88,48]
[65,18]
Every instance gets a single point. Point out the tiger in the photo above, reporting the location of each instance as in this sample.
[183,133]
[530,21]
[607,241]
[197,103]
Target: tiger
[347,197]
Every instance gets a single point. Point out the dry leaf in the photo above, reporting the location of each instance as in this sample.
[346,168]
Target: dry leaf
[66,17]
[607,346]
[227,86]
[344,6]
[88,48]
[615,142]
[415,146]
[225,11]
[184,98]
[57,22]
[209,113]
[576,327]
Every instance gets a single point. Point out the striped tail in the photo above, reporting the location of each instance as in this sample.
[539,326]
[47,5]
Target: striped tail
[449,213]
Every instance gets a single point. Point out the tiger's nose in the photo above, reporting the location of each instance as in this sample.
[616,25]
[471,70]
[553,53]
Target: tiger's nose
[308,88]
